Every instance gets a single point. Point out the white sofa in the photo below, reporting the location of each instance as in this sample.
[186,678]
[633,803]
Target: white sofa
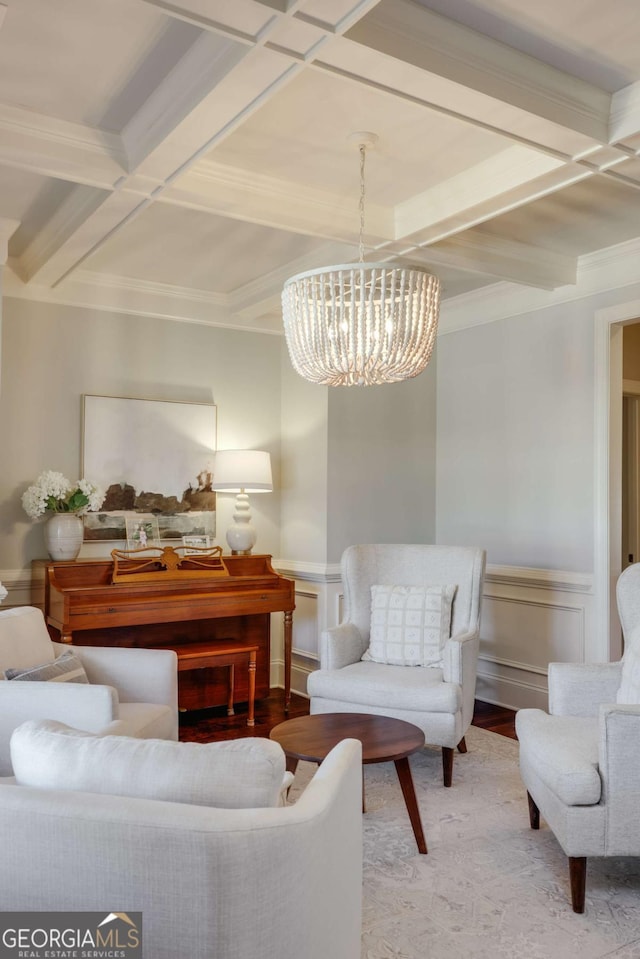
[130,691]
[211,883]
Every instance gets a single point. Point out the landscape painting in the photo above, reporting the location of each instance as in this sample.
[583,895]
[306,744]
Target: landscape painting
[151,457]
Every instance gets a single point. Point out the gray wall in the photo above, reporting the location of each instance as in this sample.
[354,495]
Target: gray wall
[304,466]
[515,438]
[51,355]
[381,463]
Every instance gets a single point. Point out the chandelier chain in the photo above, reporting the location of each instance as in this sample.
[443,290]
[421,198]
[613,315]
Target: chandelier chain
[363,151]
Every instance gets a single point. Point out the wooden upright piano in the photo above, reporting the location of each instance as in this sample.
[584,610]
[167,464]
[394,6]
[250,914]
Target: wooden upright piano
[81,604]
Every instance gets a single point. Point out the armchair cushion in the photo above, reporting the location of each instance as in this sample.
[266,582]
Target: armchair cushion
[243,773]
[67,668]
[564,751]
[409,624]
[388,687]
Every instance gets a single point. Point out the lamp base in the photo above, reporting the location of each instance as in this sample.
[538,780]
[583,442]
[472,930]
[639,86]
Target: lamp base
[242,536]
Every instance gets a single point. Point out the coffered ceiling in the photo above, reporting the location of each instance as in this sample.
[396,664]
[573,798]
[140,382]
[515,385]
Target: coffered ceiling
[182,158]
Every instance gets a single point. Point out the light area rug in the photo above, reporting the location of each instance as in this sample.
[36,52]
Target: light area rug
[490,887]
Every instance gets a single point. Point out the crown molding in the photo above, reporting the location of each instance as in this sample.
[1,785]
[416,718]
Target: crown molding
[270,201]
[254,307]
[612,268]
[117,294]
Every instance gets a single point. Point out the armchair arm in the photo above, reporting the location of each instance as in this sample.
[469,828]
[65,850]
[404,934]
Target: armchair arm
[460,664]
[459,653]
[619,764]
[578,689]
[139,675]
[77,704]
[341,646]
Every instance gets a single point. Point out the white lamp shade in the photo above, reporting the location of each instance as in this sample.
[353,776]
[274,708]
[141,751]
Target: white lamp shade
[242,471]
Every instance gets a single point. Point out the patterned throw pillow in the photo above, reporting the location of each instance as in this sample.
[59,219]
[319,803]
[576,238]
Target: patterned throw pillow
[409,624]
[67,668]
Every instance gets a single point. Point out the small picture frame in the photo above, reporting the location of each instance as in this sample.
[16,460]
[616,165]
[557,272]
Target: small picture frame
[199,542]
[142,530]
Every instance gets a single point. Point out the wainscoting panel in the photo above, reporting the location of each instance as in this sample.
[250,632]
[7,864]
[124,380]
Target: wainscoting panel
[529,619]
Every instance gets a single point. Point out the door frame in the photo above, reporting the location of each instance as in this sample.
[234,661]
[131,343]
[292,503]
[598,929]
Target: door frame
[608,471]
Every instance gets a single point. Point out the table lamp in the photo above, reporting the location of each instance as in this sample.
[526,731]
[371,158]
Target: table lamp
[242,472]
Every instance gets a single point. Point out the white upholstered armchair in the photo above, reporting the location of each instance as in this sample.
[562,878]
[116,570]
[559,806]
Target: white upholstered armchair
[437,698]
[580,762]
[130,692]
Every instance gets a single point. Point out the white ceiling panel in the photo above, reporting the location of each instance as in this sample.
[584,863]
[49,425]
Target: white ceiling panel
[316,115]
[190,249]
[70,58]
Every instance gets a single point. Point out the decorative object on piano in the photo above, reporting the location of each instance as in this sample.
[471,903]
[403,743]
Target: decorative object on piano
[3,593]
[151,456]
[196,543]
[161,564]
[142,530]
[242,472]
[68,502]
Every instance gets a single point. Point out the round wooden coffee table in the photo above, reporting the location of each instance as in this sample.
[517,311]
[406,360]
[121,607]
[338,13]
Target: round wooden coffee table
[383,740]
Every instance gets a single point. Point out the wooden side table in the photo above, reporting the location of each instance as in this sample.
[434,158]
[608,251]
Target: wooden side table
[231,654]
[383,740]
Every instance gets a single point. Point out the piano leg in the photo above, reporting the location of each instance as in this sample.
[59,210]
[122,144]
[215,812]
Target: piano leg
[252,687]
[230,709]
[288,628]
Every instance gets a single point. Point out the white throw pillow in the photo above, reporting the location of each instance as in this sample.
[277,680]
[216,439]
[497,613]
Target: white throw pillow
[239,774]
[409,624]
[629,691]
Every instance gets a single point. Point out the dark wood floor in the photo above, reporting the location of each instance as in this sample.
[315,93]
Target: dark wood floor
[206,725]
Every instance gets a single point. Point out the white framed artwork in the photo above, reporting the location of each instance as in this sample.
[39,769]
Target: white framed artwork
[150,456]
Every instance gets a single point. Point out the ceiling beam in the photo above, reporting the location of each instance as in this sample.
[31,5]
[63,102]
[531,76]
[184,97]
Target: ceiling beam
[477,251]
[453,59]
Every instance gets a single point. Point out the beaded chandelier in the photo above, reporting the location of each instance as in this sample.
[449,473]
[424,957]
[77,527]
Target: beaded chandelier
[360,324]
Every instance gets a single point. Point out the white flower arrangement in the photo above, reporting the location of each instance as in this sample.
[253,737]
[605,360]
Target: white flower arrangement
[53,491]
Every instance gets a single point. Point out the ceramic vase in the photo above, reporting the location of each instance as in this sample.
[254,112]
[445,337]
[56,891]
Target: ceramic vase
[63,534]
